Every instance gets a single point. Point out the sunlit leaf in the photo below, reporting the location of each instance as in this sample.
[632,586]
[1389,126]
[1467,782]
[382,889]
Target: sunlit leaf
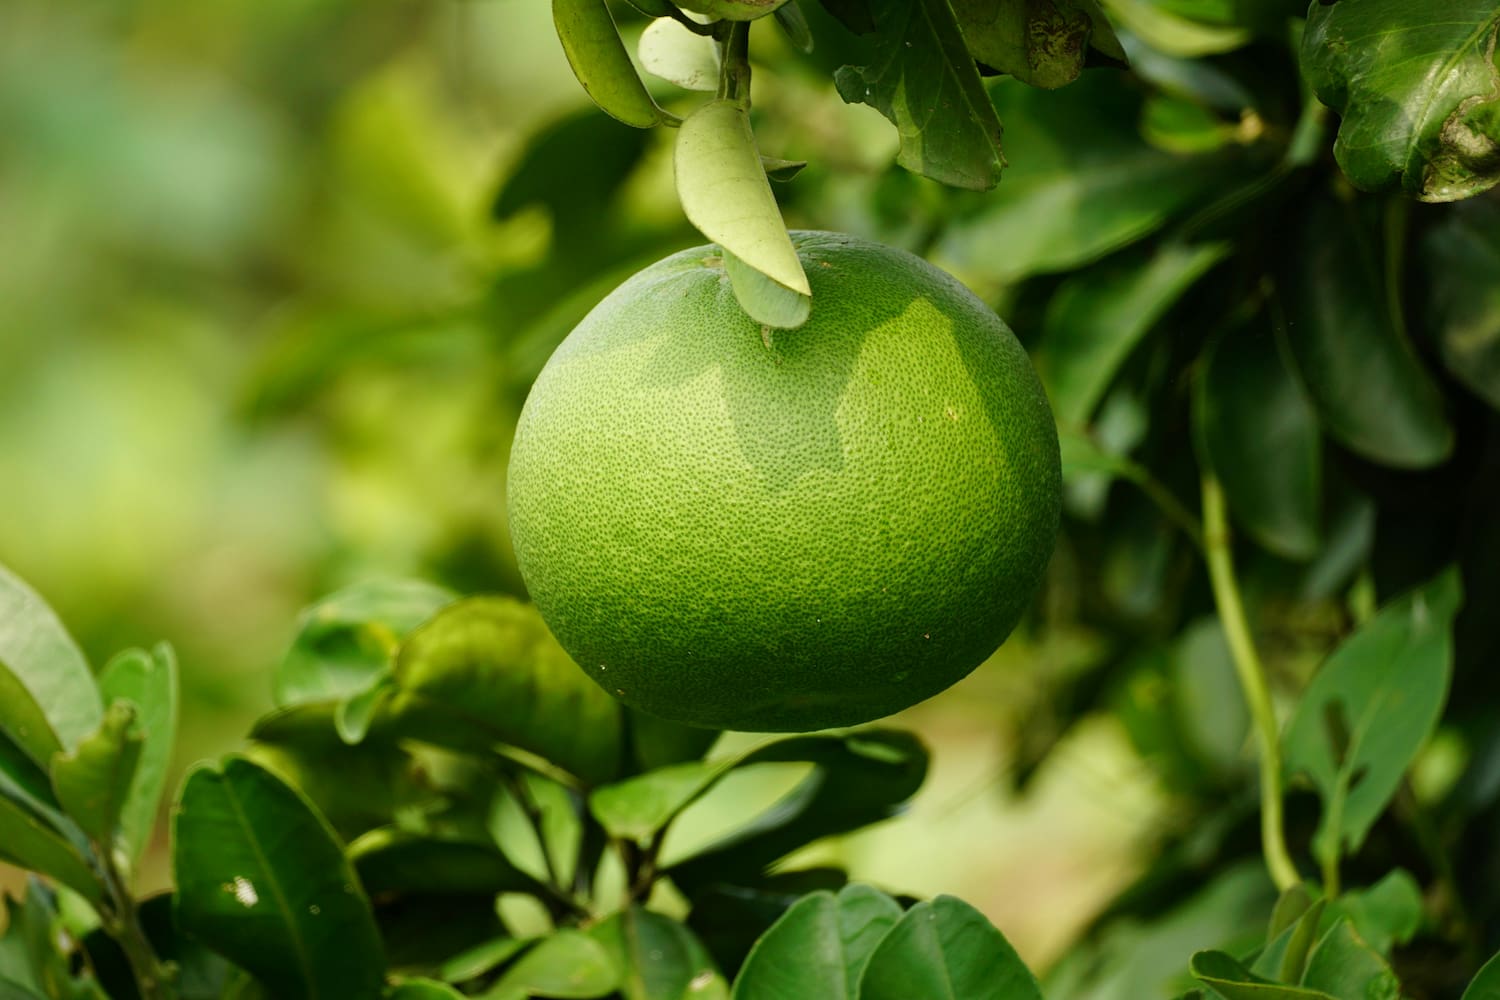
[599,60]
[147,681]
[819,947]
[37,651]
[569,964]
[93,779]
[670,51]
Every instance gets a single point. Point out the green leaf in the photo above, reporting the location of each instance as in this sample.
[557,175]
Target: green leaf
[1460,257]
[1083,182]
[36,957]
[657,742]
[924,80]
[1366,383]
[860,778]
[1486,985]
[793,22]
[29,841]
[1232,981]
[390,860]
[1386,914]
[658,958]
[481,958]
[1370,708]
[1285,955]
[724,192]
[422,989]
[568,964]
[1039,42]
[1098,316]
[355,788]
[37,651]
[732,10]
[636,808]
[1262,439]
[1344,965]
[345,640]
[946,948]
[670,51]
[1417,90]
[262,879]
[599,60]
[1169,32]
[93,779]
[819,947]
[487,670]
[147,681]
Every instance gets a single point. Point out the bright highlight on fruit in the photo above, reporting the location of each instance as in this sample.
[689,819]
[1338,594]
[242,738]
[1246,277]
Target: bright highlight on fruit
[792,531]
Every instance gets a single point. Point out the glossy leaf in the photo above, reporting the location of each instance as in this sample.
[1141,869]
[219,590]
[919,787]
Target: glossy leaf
[1370,708]
[1345,966]
[1232,981]
[392,860]
[724,192]
[93,780]
[1486,985]
[1262,439]
[37,651]
[567,965]
[1460,256]
[1098,316]
[355,788]
[946,948]
[1083,182]
[638,807]
[1367,385]
[599,60]
[860,778]
[658,958]
[1418,94]
[729,919]
[1040,42]
[819,947]
[924,80]
[488,666]
[149,682]
[262,879]
[345,640]
[670,51]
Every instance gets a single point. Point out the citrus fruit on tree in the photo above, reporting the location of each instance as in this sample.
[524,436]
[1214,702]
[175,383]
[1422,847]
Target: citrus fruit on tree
[789,530]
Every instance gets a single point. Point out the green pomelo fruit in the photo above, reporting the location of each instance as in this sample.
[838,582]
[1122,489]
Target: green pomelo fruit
[785,533]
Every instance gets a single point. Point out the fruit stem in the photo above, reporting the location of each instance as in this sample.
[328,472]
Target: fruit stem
[734,58]
[1252,676]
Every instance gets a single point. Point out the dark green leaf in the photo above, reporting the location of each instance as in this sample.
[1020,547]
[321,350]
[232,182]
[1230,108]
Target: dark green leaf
[1262,440]
[94,779]
[1369,389]
[946,948]
[1461,259]
[1370,708]
[1039,42]
[1386,914]
[1344,965]
[1232,981]
[1285,955]
[794,22]
[37,651]
[819,947]
[354,788]
[860,778]
[1083,182]
[1097,316]
[658,958]
[30,841]
[1418,91]
[391,860]
[345,640]
[924,80]
[262,879]
[657,742]
[481,958]
[1486,985]
[569,964]
[488,666]
[729,919]
[35,956]
[732,10]
[149,682]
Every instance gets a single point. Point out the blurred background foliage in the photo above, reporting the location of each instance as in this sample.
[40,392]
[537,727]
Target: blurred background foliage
[275,277]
